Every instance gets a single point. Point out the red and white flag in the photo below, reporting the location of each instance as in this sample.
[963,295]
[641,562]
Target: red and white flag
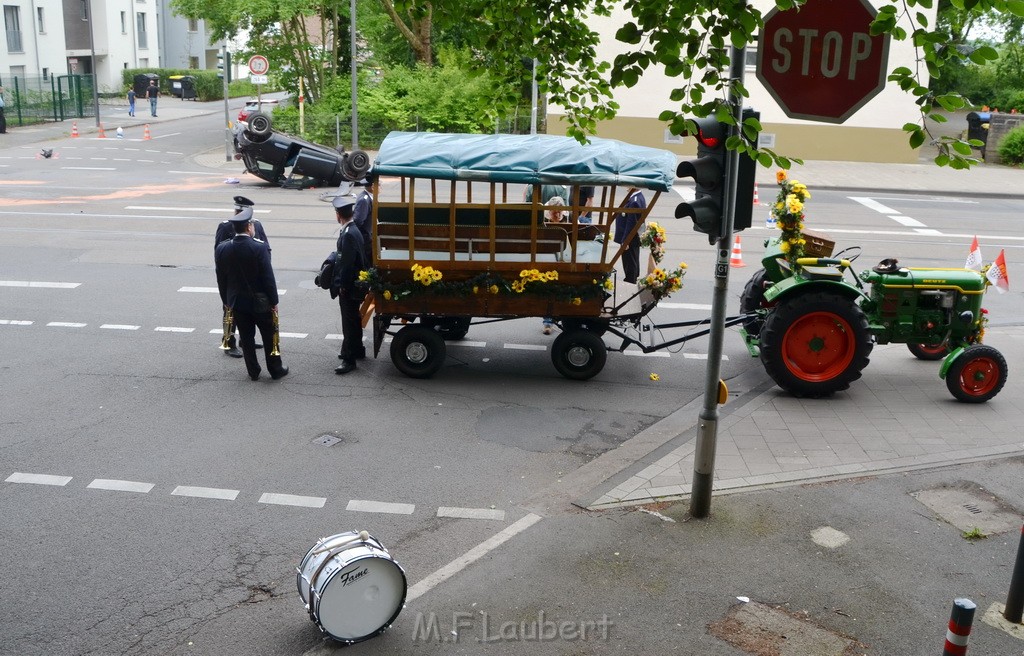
[997,274]
[974,260]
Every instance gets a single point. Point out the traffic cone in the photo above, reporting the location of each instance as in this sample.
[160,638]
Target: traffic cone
[145,133]
[756,201]
[74,129]
[736,261]
[102,135]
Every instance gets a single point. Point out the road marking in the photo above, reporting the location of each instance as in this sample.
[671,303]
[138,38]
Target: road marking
[359,505]
[119,326]
[907,221]
[88,168]
[168,208]
[120,486]
[471,513]
[199,290]
[205,492]
[38,479]
[526,347]
[219,175]
[66,324]
[37,284]
[685,306]
[334,336]
[293,500]
[476,553]
[173,329]
[828,537]
[641,354]
[14,322]
[295,335]
[873,205]
[700,356]
[469,343]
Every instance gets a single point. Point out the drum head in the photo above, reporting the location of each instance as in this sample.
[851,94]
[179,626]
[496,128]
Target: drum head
[361,599]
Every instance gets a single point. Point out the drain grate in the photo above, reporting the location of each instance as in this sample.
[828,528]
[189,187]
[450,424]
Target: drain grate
[326,440]
[970,507]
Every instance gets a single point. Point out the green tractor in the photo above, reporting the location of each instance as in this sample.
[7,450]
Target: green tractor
[814,330]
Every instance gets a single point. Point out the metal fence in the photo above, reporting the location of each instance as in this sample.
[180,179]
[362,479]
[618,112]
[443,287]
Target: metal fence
[35,99]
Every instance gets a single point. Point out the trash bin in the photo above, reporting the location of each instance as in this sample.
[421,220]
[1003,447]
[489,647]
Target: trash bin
[141,82]
[183,86]
[977,125]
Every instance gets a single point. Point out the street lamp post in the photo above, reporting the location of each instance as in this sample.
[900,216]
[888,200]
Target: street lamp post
[92,61]
[352,39]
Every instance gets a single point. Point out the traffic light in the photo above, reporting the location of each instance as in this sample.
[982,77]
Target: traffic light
[708,172]
[224,64]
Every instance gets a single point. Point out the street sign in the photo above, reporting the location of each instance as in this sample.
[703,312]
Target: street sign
[258,79]
[821,63]
[258,65]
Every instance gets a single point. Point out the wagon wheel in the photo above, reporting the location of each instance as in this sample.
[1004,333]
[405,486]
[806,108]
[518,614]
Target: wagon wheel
[449,328]
[259,126]
[417,351]
[579,354]
[815,344]
[977,374]
[753,299]
[929,351]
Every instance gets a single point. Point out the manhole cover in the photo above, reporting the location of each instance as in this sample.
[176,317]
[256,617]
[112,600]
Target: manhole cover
[327,440]
[768,631]
[969,508]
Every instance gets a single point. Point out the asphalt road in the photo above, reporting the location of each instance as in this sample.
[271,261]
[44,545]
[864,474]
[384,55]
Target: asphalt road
[173,496]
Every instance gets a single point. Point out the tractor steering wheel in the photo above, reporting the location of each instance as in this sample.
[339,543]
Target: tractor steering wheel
[853,250]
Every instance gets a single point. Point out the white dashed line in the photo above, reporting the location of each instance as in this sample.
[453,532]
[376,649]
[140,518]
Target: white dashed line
[700,356]
[66,324]
[333,336]
[873,205]
[205,492]
[173,329]
[293,500]
[907,221]
[471,513]
[652,354]
[199,290]
[119,326]
[88,168]
[38,479]
[295,335]
[685,306]
[38,285]
[526,347]
[14,322]
[359,505]
[469,343]
[120,486]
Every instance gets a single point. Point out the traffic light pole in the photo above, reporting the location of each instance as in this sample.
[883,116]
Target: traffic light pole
[227,113]
[707,436]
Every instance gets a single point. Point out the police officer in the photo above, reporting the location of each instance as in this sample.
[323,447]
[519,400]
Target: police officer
[247,286]
[346,274]
[362,215]
[226,231]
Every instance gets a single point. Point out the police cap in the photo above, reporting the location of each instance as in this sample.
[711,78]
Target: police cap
[341,202]
[242,201]
[244,216]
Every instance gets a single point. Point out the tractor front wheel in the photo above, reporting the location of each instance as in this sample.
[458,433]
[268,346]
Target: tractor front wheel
[815,344]
[977,374]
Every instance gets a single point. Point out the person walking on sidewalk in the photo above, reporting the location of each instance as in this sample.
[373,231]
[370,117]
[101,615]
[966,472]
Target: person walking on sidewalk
[350,295]
[131,101]
[246,283]
[152,93]
[3,119]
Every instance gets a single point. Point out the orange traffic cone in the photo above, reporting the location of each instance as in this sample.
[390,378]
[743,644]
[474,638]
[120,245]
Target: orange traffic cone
[102,134]
[74,129]
[756,201]
[145,133]
[736,261]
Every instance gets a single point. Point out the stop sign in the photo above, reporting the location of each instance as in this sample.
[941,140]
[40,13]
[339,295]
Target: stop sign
[821,62]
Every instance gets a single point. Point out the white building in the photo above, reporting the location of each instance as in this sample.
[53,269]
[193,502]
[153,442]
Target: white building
[872,133]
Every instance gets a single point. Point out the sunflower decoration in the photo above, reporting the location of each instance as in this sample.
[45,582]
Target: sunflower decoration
[788,211]
[662,283]
[654,238]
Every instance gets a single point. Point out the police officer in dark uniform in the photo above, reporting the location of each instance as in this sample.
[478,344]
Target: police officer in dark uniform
[362,215]
[247,286]
[226,231]
[346,274]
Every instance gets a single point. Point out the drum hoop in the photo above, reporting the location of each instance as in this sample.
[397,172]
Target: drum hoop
[384,627]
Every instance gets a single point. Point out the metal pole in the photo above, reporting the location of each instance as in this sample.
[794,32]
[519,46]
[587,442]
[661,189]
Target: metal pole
[707,436]
[92,61]
[1015,599]
[352,38]
[533,99]
[960,620]
[227,115]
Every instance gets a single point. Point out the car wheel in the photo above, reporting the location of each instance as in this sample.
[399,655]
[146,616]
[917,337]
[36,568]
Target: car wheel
[260,125]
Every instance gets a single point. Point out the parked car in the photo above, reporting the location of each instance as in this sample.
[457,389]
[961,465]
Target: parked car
[290,161]
[253,105]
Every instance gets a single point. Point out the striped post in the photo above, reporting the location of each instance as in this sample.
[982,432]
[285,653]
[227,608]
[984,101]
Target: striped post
[960,620]
[1015,598]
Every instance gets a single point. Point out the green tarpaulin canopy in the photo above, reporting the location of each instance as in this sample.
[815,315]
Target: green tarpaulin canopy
[527,159]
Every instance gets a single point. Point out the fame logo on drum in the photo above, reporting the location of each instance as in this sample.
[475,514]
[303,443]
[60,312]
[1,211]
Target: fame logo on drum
[353,576]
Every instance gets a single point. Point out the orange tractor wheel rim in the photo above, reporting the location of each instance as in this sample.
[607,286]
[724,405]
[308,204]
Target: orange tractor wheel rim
[818,346]
[979,376]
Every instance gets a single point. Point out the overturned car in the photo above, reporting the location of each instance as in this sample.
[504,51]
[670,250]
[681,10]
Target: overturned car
[292,162]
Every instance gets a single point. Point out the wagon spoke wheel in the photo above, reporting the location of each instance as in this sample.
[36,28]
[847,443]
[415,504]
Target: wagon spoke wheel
[579,354]
[418,351]
[977,374]
[815,344]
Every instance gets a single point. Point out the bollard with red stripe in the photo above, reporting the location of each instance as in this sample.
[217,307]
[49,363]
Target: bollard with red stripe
[960,620]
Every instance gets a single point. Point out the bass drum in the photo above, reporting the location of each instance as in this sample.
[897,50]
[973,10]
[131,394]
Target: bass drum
[352,587]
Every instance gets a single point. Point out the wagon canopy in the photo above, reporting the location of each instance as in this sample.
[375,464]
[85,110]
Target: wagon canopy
[527,159]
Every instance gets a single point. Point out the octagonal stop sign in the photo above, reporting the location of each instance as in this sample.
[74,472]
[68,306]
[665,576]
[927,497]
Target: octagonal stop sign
[821,62]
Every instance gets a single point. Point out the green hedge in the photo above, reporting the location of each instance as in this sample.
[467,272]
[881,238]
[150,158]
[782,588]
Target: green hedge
[1011,148]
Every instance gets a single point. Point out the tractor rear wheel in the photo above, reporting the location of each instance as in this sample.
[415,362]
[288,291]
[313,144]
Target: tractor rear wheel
[977,374]
[753,299]
[815,344]
[929,351]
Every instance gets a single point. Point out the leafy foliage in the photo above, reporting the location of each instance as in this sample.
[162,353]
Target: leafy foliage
[1011,148]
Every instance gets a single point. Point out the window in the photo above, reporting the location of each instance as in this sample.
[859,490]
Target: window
[124,22]
[140,19]
[12,23]
[751,53]
[193,25]
[193,62]
[46,74]
[85,9]
[40,20]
